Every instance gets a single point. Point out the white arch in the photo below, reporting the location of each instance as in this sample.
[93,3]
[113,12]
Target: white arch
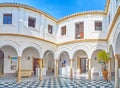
[80,47]
[63,49]
[97,47]
[12,44]
[47,52]
[111,50]
[115,37]
[30,44]
[49,48]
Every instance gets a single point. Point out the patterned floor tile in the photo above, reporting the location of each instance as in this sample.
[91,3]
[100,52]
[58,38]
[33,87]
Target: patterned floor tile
[58,83]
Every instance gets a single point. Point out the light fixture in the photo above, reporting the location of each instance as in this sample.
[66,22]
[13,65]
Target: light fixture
[95,58]
[28,58]
[9,57]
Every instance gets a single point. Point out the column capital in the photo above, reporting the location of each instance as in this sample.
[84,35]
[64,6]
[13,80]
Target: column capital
[55,59]
[19,57]
[71,60]
[89,58]
[116,56]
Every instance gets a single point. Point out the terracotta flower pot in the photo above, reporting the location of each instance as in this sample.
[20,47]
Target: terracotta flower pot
[105,74]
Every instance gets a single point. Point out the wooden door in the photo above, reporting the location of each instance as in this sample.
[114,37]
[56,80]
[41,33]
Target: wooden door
[35,65]
[83,65]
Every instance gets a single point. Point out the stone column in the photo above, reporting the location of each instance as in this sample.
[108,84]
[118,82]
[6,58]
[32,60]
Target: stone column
[42,63]
[19,70]
[109,70]
[89,72]
[40,67]
[71,70]
[116,72]
[55,67]
[78,65]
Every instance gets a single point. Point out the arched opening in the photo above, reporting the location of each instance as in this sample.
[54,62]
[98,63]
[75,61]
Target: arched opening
[8,60]
[29,62]
[96,67]
[48,62]
[112,64]
[1,62]
[80,64]
[117,61]
[64,64]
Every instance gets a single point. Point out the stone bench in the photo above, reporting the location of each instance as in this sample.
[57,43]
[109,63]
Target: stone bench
[26,73]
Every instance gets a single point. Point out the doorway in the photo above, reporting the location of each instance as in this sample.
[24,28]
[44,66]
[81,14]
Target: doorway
[35,65]
[1,62]
[83,65]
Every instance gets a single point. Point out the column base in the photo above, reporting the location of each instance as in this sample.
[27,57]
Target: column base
[40,78]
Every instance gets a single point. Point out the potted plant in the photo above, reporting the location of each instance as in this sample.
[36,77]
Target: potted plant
[104,57]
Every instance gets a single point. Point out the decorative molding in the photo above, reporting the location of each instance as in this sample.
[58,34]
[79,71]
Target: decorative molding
[57,44]
[113,22]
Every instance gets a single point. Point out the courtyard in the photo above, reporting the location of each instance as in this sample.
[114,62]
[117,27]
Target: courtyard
[54,82]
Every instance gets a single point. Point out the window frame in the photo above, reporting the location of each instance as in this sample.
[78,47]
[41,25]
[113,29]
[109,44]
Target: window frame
[6,19]
[97,24]
[50,29]
[30,19]
[79,30]
[63,30]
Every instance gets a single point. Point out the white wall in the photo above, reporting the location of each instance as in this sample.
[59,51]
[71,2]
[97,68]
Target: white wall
[28,64]
[8,51]
[89,28]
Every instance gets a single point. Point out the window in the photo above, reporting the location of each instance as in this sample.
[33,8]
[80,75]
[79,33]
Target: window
[63,30]
[50,29]
[7,19]
[79,30]
[98,25]
[31,22]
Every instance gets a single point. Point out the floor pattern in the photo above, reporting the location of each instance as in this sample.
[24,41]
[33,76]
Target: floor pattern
[58,83]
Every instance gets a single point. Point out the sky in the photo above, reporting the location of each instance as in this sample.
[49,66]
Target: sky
[61,8]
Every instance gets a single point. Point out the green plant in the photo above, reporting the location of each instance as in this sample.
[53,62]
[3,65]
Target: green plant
[103,57]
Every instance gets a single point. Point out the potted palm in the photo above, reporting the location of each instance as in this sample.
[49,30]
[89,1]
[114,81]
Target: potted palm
[104,57]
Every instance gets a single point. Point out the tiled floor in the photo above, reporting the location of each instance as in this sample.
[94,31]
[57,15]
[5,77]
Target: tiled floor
[59,82]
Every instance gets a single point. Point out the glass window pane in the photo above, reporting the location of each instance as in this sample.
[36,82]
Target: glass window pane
[7,19]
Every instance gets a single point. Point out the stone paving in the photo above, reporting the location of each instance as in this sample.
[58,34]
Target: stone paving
[52,82]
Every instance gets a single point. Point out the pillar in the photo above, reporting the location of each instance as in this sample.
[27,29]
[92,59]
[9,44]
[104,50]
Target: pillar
[109,70]
[78,65]
[89,73]
[19,70]
[71,70]
[42,63]
[55,67]
[40,71]
[116,72]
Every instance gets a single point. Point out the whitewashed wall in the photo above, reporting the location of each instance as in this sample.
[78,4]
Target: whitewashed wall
[89,28]
[8,51]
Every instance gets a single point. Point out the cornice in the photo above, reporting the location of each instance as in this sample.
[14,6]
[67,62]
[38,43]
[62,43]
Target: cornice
[82,41]
[81,14]
[57,44]
[49,16]
[27,7]
[107,7]
[27,36]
